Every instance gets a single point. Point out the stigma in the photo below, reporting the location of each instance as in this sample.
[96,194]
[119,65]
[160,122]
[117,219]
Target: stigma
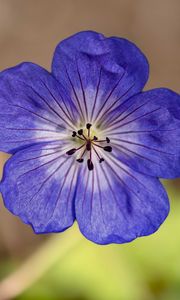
[89,144]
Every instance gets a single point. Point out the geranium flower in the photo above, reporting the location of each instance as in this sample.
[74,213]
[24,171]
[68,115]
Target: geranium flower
[87,143]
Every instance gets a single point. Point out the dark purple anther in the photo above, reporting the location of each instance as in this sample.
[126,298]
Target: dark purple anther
[108,148]
[90,165]
[70,152]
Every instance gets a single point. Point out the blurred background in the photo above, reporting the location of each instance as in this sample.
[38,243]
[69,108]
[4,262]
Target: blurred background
[66,266]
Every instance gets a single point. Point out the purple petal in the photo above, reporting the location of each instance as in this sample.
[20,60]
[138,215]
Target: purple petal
[145,133]
[33,108]
[168,99]
[39,185]
[99,72]
[115,204]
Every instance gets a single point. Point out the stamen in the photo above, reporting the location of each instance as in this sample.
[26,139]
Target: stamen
[71,152]
[74,134]
[81,157]
[108,148]
[107,140]
[95,138]
[80,131]
[88,126]
[100,158]
[90,165]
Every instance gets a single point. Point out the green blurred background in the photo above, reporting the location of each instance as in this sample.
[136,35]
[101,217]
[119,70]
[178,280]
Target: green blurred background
[66,266]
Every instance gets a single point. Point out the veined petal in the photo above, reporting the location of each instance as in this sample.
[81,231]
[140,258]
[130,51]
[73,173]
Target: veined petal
[39,186]
[99,72]
[115,204]
[145,133]
[33,108]
[168,99]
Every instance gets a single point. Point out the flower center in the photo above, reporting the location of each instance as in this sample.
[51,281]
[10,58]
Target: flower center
[90,143]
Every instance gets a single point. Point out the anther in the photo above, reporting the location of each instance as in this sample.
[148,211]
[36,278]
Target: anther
[88,125]
[90,165]
[95,138]
[80,131]
[107,140]
[80,160]
[101,160]
[71,152]
[107,148]
[74,134]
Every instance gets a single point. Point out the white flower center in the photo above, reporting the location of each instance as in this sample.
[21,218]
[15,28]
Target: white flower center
[88,143]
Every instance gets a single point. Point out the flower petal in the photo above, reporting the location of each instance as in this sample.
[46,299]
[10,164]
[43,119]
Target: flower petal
[39,186]
[115,204]
[169,99]
[145,133]
[99,72]
[33,107]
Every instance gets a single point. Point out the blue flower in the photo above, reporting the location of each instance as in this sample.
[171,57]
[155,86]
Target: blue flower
[87,143]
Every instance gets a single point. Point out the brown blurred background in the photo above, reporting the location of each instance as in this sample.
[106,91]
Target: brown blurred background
[30,30]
